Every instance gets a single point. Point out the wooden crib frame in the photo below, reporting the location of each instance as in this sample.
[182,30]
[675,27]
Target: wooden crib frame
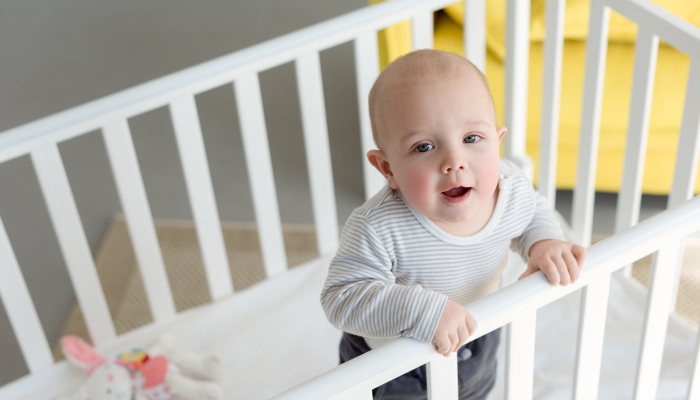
[514,306]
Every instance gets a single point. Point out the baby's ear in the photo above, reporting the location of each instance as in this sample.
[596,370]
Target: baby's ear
[79,353]
[379,161]
[500,132]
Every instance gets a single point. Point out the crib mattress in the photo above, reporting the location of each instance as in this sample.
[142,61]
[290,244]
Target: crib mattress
[293,342]
[262,356]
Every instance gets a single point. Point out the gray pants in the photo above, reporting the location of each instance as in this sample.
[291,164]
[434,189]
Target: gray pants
[476,366]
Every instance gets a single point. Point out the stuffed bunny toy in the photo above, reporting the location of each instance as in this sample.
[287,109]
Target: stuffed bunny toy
[136,374]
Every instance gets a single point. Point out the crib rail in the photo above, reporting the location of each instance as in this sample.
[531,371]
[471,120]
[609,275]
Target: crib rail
[367,69]
[514,303]
[132,194]
[654,23]
[20,309]
[551,93]
[517,62]
[71,238]
[313,112]
[111,115]
[209,75]
[357,379]
[177,91]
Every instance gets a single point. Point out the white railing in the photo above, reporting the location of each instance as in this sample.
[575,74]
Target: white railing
[110,114]
[357,377]
[551,94]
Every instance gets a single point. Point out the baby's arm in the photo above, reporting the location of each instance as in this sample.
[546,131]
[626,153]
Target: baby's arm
[361,295]
[543,246]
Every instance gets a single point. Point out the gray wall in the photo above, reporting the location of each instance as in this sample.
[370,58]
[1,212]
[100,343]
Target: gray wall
[58,54]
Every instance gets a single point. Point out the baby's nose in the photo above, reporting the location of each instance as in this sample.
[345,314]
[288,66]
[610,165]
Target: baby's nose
[453,162]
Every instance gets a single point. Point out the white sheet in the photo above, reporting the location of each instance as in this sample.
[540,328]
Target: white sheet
[274,335]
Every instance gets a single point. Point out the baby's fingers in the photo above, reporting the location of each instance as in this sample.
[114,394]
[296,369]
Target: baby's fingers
[463,332]
[580,253]
[442,344]
[454,343]
[573,266]
[471,323]
[563,271]
[550,271]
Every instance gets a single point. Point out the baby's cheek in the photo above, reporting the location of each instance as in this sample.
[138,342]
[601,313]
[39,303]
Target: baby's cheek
[416,188]
[489,172]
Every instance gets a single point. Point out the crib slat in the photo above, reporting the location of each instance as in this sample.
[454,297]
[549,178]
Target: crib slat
[551,93]
[520,356]
[132,194]
[262,181]
[694,388]
[630,198]
[183,112]
[367,70]
[422,32]
[584,192]
[589,350]
[20,309]
[442,378]
[517,61]
[474,32]
[74,246]
[663,267]
[686,168]
[313,113]
[628,205]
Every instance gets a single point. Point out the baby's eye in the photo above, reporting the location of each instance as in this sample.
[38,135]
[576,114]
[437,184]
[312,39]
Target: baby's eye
[471,139]
[423,147]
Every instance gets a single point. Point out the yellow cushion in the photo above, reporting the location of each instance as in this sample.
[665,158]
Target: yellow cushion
[576,21]
[667,102]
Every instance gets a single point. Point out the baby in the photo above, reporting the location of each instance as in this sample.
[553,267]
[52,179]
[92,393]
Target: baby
[437,235]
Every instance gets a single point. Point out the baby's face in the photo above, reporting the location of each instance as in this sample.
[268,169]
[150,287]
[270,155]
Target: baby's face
[440,144]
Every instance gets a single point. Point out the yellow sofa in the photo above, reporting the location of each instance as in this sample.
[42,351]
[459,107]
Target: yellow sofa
[667,103]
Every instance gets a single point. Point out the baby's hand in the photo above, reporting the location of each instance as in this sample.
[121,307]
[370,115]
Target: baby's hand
[453,329]
[561,262]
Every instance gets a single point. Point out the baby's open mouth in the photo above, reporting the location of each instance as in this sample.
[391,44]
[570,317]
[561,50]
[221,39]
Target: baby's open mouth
[456,191]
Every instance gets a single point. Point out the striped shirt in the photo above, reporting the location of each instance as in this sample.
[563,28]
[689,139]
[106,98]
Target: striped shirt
[395,269]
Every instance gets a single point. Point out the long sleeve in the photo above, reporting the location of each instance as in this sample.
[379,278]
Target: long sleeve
[544,225]
[361,295]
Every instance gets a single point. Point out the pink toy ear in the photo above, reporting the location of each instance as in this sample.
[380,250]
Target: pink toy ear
[79,353]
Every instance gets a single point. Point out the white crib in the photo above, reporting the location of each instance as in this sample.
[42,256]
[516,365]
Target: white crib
[275,331]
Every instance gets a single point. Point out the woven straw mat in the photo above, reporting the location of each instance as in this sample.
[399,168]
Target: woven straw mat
[118,271]
[121,281]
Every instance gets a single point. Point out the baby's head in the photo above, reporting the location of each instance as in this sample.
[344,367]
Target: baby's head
[434,122]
